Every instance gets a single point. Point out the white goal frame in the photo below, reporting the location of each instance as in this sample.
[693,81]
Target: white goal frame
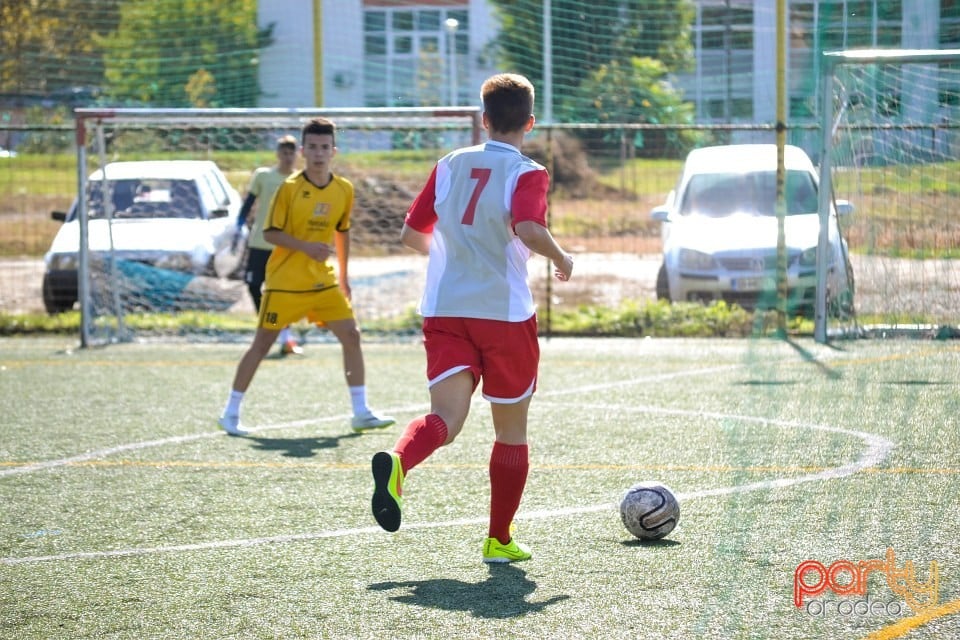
[830,61]
[91,123]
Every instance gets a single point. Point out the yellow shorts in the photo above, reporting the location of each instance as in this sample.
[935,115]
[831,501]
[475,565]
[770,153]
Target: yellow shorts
[281,308]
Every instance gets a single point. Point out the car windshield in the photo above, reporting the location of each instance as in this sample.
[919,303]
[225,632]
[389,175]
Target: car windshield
[723,194]
[146,198]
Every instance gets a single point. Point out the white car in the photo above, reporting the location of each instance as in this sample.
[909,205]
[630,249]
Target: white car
[719,231]
[179,215]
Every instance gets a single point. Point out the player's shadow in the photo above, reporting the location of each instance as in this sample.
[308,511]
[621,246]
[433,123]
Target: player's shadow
[299,447]
[502,595]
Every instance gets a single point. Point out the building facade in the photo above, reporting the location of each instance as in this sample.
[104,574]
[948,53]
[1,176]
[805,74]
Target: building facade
[375,53]
[379,53]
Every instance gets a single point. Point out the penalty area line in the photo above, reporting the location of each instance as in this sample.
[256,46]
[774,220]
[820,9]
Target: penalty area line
[876,451]
[136,446]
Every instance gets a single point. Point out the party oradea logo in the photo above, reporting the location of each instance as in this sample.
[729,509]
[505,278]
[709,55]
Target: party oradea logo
[851,581]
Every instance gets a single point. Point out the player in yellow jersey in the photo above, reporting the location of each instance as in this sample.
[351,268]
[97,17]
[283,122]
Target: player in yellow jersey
[265,182]
[308,219]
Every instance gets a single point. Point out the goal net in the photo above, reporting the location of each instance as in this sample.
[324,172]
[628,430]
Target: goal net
[154,247]
[891,147]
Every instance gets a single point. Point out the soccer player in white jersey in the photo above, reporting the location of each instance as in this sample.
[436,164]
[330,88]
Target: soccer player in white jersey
[479,217]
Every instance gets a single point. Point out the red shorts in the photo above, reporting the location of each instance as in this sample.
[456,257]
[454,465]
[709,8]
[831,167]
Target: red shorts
[505,355]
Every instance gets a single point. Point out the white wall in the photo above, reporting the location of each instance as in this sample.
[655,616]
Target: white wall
[342,53]
[286,66]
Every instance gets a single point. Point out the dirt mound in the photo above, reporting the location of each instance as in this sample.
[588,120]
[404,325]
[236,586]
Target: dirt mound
[378,211]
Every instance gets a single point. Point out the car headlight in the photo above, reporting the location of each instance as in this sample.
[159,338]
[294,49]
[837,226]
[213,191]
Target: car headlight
[808,257]
[63,262]
[696,260]
[174,262]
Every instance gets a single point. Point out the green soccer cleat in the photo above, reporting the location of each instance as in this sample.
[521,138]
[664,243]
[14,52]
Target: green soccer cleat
[494,552]
[387,501]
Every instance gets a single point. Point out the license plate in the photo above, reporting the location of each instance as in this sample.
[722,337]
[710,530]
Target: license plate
[753,284]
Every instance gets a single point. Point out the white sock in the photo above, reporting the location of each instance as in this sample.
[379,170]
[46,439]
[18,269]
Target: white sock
[285,335]
[358,398]
[233,404]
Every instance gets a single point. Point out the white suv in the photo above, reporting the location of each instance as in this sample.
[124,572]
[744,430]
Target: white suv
[178,215]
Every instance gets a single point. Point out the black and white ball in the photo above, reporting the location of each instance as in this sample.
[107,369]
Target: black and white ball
[649,510]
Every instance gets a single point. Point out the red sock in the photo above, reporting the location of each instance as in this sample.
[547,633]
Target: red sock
[423,436]
[508,476]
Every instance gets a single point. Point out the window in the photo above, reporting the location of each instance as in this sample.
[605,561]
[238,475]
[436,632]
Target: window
[949,24]
[428,20]
[406,54]
[402,44]
[723,27]
[846,24]
[740,108]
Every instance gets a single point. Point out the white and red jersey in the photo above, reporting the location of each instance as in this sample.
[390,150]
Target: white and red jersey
[471,202]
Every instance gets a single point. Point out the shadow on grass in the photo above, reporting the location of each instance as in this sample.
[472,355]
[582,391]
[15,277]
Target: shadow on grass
[809,357]
[662,542]
[502,595]
[299,447]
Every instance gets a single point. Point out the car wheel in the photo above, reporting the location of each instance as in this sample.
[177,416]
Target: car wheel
[56,300]
[211,269]
[663,286]
[841,305]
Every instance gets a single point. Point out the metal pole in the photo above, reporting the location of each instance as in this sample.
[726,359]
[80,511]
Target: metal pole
[83,257]
[548,61]
[823,208]
[451,25]
[781,204]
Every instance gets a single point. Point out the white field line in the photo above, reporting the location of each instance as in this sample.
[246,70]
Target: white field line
[877,449]
[136,446]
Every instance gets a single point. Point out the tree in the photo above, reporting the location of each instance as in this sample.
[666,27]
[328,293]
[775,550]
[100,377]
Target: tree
[642,95]
[48,45]
[586,36]
[179,53]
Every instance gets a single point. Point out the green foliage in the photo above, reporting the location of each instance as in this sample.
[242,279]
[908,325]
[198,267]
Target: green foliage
[637,90]
[658,319]
[51,45]
[183,53]
[587,37]
[19,324]
[53,136]
[631,319]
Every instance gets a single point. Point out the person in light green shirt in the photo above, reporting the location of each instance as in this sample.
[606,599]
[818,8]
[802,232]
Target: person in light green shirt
[263,185]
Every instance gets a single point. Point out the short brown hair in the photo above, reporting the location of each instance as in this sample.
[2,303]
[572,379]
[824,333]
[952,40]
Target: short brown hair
[507,101]
[287,142]
[319,126]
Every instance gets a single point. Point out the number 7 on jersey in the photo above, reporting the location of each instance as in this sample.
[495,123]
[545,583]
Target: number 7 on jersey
[482,176]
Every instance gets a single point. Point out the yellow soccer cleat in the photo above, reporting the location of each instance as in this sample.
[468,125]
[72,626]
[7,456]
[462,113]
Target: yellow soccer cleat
[496,552]
[387,501]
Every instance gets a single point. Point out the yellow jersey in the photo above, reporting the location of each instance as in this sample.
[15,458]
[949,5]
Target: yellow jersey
[307,212]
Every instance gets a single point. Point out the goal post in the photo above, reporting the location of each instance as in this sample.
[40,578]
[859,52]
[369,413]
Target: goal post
[120,274]
[890,146]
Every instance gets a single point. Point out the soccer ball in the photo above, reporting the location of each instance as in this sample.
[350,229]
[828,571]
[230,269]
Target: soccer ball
[649,510]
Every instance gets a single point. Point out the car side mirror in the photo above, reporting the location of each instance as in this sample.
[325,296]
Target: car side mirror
[219,213]
[661,213]
[60,216]
[844,208]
